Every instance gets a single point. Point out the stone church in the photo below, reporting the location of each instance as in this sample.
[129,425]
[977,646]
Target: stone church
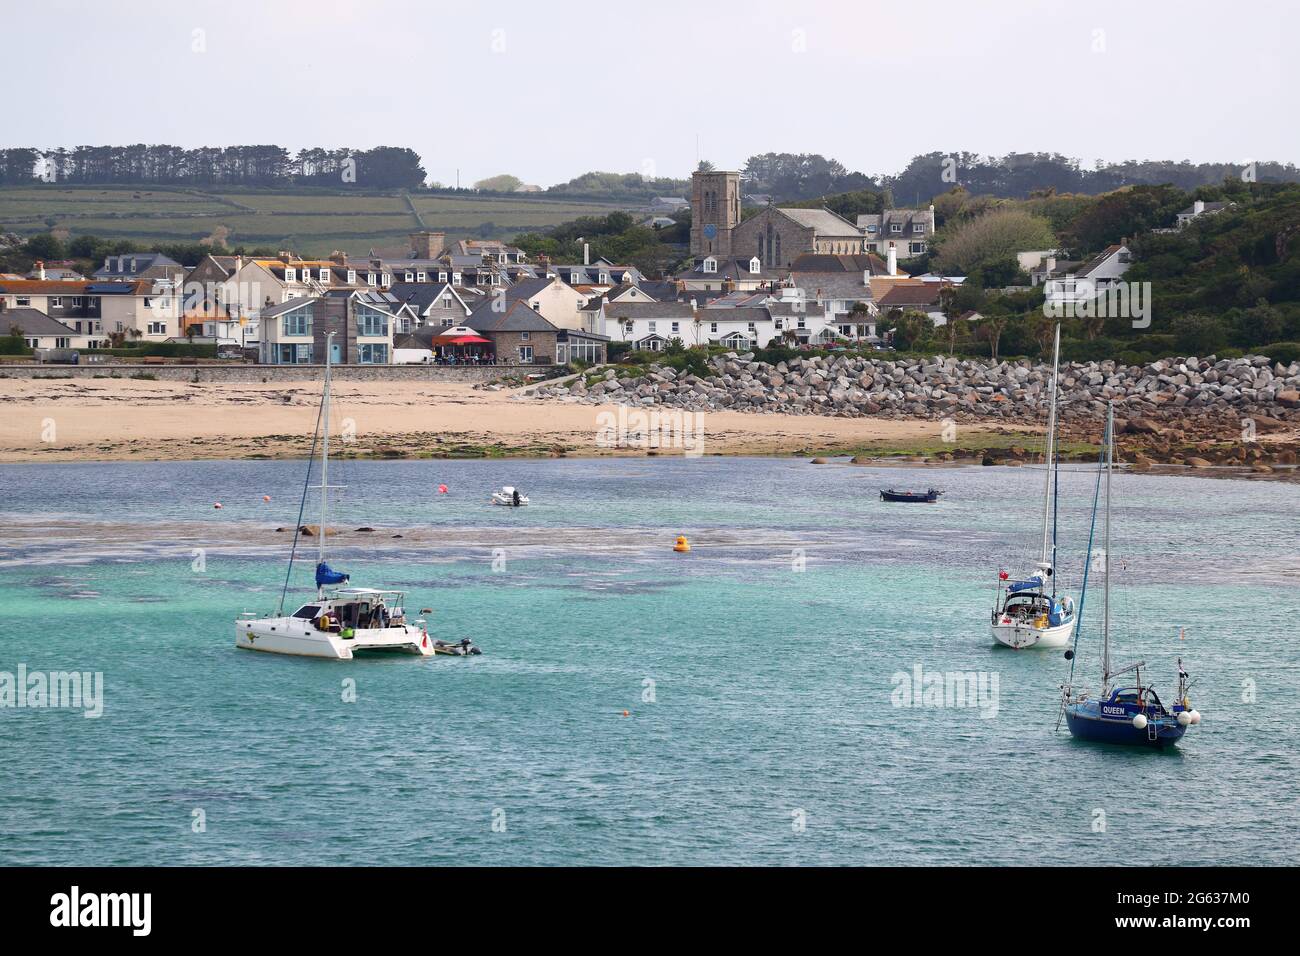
[777,236]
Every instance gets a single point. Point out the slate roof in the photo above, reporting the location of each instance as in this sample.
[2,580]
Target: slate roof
[820,262]
[1092,264]
[822,221]
[518,317]
[120,267]
[271,311]
[31,322]
[649,310]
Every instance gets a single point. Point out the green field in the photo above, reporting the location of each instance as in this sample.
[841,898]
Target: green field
[308,221]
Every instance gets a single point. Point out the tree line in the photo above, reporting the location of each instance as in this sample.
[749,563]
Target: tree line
[384,167]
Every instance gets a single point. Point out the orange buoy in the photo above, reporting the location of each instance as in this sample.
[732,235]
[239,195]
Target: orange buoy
[442,489]
[626,714]
[216,504]
[266,497]
[682,545]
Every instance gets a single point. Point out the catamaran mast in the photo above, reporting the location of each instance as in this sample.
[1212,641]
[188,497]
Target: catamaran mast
[1046,554]
[325,455]
[1105,619]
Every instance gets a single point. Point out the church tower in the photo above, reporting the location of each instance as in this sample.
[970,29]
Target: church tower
[715,212]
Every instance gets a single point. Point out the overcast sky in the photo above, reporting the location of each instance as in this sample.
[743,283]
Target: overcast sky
[548,90]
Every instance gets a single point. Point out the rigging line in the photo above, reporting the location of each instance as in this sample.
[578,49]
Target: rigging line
[1087,563]
[302,505]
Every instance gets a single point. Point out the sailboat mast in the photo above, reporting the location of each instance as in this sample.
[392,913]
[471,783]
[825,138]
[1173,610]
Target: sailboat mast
[325,452]
[1105,625]
[1050,452]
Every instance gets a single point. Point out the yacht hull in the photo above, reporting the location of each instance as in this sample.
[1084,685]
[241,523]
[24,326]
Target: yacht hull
[1087,723]
[1020,635]
[300,638]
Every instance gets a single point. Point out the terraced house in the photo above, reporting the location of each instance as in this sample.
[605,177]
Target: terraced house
[105,312]
[364,322]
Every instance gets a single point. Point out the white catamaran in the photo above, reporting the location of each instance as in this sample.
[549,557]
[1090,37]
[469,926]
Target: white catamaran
[341,621]
[1027,612]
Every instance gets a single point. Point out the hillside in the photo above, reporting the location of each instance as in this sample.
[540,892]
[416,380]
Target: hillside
[310,221]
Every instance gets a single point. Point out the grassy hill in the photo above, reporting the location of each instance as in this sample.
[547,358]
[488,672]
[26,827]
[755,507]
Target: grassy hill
[309,221]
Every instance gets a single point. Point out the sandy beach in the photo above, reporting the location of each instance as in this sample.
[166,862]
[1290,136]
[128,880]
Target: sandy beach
[142,420]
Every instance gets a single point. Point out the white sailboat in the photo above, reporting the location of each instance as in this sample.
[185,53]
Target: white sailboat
[1027,611]
[341,621]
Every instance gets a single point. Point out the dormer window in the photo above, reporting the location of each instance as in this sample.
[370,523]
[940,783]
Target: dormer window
[895,227]
[755,267]
[290,275]
[455,278]
[421,277]
[710,264]
[871,227]
[370,278]
[386,279]
[604,278]
[442,277]
[410,277]
[352,277]
[918,227]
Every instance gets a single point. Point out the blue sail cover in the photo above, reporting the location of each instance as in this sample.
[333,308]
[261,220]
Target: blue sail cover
[327,575]
[1025,585]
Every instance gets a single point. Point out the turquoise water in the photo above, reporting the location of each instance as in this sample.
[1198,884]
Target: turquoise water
[771,736]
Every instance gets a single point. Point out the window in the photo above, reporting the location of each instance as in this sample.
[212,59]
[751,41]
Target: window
[157,328]
[778,324]
[352,277]
[751,326]
[446,302]
[324,275]
[755,266]
[871,228]
[525,355]
[676,327]
[371,322]
[307,612]
[287,353]
[710,264]
[386,279]
[604,278]
[713,326]
[372,354]
[56,302]
[290,275]
[23,300]
[421,277]
[77,302]
[895,227]
[918,228]
[916,248]
[442,277]
[62,343]
[370,278]
[409,277]
[455,278]
[296,322]
[651,325]
[523,336]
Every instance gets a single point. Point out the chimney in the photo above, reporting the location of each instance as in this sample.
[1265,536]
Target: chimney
[286,257]
[40,269]
[893,260]
[586,254]
[107,259]
[428,245]
[1198,207]
[339,258]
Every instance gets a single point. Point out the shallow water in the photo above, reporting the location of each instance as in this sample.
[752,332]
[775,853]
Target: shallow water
[771,737]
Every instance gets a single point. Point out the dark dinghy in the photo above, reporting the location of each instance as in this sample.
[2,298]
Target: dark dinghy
[922,497]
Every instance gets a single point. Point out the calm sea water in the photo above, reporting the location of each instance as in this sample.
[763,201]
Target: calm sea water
[761,723]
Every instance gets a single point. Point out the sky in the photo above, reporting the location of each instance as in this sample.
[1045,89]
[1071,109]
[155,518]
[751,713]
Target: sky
[547,91]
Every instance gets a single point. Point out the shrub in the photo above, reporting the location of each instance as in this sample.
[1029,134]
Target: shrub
[1284,352]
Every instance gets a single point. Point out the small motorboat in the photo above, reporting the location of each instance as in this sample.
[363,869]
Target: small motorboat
[509,496]
[929,496]
[462,648]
